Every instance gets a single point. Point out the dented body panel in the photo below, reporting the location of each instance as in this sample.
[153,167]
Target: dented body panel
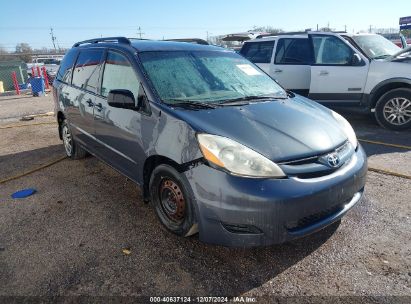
[272,206]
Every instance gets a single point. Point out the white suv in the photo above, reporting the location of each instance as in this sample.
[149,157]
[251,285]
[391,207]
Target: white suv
[338,69]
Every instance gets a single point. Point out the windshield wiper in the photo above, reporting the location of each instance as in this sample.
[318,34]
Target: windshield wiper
[237,101]
[191,104]
[381,56]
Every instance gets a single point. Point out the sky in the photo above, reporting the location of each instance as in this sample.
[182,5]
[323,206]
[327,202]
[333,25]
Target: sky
[78,20]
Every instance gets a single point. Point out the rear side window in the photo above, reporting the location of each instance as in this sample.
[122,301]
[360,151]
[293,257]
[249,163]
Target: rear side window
[119,74]
[293,51]
[87,70]
[258,52]
[66,67]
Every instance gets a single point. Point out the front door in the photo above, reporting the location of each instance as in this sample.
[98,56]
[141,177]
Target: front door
[292,60]
[338,73]
[118,131]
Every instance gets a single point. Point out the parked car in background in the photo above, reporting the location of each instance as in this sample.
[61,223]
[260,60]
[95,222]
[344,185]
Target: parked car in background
[398,39]
[340,70]
[217,146]
[51,63]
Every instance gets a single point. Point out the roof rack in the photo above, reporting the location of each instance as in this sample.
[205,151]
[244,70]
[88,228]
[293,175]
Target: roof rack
[296,33]
[189,40]
[280,34]
[107,39]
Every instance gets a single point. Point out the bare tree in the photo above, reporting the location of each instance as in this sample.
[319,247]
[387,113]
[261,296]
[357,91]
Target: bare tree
[23,50]
[326,29]
[267,29]
[3,54]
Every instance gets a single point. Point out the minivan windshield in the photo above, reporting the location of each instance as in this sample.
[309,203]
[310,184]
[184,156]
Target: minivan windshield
[376,46]
[206,77]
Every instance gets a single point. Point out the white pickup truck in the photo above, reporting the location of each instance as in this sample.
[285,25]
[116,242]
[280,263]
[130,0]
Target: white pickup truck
[51,63]
[366,71]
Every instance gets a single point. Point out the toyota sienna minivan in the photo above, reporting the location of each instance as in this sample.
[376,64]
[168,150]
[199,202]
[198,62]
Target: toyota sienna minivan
[217,146]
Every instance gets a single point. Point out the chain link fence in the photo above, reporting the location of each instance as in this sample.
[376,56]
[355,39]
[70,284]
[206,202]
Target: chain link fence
[13,73]
[16,73]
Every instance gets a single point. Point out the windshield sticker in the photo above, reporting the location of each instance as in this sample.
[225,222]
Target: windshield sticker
[248,69]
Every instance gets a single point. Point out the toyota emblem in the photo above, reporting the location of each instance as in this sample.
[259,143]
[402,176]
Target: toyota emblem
[333,160]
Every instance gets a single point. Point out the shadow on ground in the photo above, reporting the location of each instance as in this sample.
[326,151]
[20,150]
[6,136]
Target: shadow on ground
[13,164]
[67,240]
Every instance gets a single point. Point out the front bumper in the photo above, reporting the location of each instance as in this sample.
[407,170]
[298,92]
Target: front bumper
[244,212]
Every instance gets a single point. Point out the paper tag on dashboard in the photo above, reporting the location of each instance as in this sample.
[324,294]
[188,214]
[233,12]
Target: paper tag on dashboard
[248,69]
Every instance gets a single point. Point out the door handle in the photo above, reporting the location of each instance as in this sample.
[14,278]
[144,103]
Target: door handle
[324,73]
[90,103]
[278,71]
[99,106]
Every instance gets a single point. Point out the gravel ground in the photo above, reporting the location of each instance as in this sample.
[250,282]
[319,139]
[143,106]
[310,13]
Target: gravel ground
[68,238]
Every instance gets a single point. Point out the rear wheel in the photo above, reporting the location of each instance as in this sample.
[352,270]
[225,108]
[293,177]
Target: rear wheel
[393,109]
[172,201]
[73,150]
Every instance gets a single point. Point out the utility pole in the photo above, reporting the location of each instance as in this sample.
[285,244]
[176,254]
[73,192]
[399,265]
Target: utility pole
[345,28]
[140,33]
[370,29]
[53,38]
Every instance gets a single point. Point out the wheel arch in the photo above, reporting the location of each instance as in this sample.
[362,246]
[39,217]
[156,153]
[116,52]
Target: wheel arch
[150,164]
[60,119]
[386,86]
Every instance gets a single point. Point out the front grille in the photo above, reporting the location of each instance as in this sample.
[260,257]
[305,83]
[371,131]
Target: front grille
[313,218]
[318,166]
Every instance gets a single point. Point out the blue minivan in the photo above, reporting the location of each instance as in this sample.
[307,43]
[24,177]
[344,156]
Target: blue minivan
[217,146]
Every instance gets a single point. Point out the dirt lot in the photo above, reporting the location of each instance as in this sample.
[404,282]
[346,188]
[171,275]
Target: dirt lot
[67,239]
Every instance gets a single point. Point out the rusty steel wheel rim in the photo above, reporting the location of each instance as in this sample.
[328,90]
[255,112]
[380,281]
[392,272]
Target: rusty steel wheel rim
[172,200]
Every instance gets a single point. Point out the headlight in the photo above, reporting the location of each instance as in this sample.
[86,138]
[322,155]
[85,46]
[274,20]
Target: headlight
[348,130]
[236,158]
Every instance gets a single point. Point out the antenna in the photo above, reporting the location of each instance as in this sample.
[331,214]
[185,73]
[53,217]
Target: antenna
[53,38]
[140,33]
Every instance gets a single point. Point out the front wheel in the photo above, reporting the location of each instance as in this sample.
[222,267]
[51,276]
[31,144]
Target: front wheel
[393,109]
[172,201]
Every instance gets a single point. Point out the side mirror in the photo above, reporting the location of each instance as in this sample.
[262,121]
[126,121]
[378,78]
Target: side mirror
[123,99]
[356,59]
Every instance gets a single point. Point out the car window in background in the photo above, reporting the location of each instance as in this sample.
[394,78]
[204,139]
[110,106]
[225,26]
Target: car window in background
[65,70]
[293,51]
[51,61]
[119,74]
[206,76]
[376,46]
[258,52]
[87,69]
[331,50]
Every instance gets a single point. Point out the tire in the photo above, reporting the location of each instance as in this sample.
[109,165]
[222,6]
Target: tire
[172,200]
[393,109]
[72,149]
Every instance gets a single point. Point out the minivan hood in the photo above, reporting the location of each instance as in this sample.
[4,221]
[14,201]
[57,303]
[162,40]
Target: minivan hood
[280,130]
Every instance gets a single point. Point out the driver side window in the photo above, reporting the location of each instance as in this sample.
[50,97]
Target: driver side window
[329,50]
